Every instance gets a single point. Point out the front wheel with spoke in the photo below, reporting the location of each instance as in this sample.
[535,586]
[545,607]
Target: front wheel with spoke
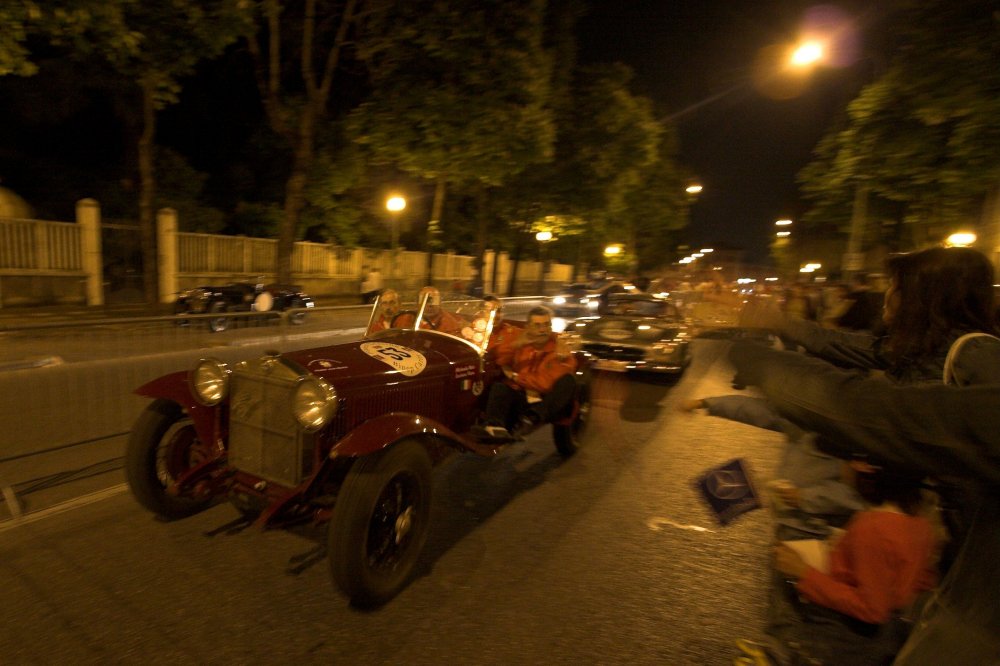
[380,522]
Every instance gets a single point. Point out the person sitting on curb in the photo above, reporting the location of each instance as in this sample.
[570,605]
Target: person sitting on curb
[539,384]
[843,602]
[389,306]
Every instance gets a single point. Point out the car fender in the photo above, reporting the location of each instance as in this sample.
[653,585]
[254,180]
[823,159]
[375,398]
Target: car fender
[375,434]
[175,387]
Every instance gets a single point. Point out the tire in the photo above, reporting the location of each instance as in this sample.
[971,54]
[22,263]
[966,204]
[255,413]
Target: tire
[163,445]
[297,317]
[568,437]
[380,523]
[218,324]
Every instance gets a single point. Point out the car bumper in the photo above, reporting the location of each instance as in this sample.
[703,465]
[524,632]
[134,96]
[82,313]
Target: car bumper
[609,365]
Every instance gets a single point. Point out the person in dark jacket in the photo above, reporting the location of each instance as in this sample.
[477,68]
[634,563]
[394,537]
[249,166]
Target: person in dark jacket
[865,310]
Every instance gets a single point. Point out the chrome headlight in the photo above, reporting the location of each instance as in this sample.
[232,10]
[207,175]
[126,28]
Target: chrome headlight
[210,381]
[314,404]
[664,350]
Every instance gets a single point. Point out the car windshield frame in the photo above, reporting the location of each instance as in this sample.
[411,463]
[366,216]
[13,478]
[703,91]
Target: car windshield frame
[485,328]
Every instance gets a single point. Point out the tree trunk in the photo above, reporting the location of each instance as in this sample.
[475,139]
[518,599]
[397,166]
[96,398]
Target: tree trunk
[147,194]
[434,226]
[295,195]
[515,259]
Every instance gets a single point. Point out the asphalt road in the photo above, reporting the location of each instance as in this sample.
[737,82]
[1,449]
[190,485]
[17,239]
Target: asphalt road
[610,557]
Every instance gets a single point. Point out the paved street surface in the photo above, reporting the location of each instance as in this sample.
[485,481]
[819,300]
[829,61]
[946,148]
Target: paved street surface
[610,557]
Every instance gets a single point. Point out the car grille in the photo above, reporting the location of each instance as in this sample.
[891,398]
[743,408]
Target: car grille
[264,438]
[266,441]
[614,352]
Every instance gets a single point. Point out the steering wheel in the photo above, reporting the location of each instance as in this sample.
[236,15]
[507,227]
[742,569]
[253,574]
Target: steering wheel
[393,323]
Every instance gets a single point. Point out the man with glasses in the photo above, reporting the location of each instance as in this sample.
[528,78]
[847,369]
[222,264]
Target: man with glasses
[538,385]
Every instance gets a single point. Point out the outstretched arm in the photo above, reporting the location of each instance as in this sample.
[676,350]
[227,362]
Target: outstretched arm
[934,429]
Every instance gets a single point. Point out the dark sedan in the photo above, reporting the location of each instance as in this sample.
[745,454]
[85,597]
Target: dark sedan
[241,297]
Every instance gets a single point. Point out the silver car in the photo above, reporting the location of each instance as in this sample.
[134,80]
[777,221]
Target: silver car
[639,333]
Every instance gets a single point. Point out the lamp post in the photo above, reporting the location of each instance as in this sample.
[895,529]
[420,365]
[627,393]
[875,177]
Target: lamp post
[542,237]
[395,204]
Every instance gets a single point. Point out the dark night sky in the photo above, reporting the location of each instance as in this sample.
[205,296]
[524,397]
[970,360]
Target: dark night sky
[744,147]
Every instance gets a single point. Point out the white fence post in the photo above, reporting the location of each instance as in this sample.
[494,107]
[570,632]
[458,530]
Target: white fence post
[88,216]
[166,244]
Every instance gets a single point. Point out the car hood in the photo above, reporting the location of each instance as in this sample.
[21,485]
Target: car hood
[406,356]
[631,330]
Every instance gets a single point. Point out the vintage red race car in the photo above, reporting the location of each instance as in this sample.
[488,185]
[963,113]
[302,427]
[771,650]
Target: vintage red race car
[345,435]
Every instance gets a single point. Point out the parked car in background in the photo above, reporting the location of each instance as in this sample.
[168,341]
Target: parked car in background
[344,435]
[581,299]
[638,333]
[241,297]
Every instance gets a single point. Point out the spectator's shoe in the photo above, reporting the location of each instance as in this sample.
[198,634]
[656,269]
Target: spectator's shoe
[491,433]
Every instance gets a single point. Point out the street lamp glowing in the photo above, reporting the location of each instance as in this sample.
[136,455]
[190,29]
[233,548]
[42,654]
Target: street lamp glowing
[693,189]
[961,239]
[543,236]
[782,223]
[395,204]
[612,250]
[807,54]
[783,234]
[706,250]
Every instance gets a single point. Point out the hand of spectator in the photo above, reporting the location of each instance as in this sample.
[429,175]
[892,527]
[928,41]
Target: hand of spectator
[788,562]
[790,495]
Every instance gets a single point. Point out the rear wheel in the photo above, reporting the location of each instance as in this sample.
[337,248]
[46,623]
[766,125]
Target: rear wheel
[380,522]
[163,446]
[218,324]
[297,318]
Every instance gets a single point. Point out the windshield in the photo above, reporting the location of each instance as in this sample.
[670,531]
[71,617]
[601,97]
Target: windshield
[634,307]
[472,326]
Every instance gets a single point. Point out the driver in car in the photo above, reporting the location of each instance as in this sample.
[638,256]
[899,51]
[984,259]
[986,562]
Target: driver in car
[539,385]
[389,306]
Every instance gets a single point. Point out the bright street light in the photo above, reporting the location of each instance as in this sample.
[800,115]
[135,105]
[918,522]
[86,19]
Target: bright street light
[807,54]
[961,239]
[693,189]
[394,204]
[612,250]
[706,250]
[783,234]
[782,223]
[543,236]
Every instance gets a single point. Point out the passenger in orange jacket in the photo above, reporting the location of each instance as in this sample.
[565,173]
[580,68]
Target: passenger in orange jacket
[539,384]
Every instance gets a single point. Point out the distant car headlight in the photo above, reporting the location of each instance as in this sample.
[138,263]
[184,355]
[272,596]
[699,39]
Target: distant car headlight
[210,381]
[559,300]
[314,404]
